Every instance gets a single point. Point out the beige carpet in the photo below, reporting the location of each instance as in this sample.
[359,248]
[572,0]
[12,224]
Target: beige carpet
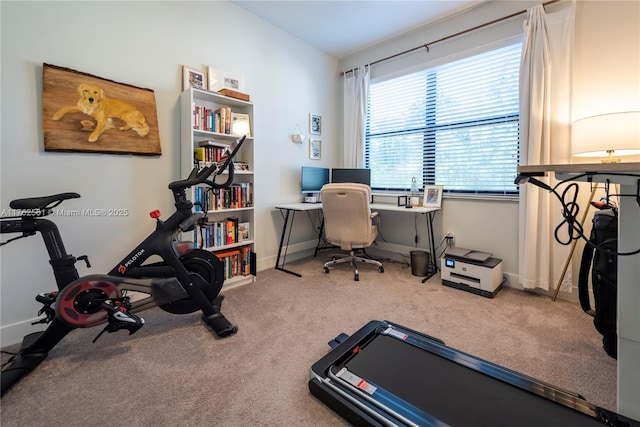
[173,372]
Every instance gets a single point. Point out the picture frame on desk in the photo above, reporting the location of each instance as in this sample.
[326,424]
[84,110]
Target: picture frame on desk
[432,196]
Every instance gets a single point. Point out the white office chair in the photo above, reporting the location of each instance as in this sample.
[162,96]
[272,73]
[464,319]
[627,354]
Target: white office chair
[349,222]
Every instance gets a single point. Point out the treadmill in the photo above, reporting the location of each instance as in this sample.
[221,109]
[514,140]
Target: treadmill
[389,375]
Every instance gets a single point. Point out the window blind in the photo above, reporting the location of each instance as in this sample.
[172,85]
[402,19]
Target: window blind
[455,125]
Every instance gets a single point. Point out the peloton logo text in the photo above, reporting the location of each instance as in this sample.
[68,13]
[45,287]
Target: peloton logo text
[123,268]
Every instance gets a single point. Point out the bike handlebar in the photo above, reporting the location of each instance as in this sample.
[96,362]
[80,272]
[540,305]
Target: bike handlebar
[200,177]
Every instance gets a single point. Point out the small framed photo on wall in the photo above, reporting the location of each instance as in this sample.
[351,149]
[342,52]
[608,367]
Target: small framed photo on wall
[432,196]
[315,149]
[315,124]
[192,77]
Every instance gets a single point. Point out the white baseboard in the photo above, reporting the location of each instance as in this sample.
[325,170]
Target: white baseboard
[401,253]
[13,334]
[294,252]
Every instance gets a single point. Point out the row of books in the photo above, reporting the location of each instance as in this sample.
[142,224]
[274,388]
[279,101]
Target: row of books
[221,233]
[209,152]
[218,120]
[237,262]
[236,196]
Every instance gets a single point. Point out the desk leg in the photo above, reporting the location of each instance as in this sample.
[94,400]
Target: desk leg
[433,268]
[628,303]
[315,253]
[284,232]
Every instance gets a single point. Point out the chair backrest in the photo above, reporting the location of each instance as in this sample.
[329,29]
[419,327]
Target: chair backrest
[347,215]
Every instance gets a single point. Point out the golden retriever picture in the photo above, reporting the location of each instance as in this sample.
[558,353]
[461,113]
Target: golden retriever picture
[76,103]
[94,103]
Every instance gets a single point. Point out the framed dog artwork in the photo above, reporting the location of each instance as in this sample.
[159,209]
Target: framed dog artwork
[85,113]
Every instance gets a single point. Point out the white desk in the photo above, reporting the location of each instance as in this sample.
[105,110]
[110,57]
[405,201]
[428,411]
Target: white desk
[288,211]
[628,176]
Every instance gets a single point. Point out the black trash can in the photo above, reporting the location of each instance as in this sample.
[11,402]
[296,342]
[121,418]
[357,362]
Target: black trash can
[419,263]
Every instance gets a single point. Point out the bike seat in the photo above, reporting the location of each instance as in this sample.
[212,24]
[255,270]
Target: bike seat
[41,203]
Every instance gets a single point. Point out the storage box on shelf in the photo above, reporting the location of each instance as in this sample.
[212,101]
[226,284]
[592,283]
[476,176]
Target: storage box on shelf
[206,129]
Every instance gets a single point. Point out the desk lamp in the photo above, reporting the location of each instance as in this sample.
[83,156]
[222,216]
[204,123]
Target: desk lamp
[606,134]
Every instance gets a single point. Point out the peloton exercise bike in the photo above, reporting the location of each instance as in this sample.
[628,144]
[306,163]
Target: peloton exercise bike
[186,279]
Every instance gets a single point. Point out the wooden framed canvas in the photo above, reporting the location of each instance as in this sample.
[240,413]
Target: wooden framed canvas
[85,113]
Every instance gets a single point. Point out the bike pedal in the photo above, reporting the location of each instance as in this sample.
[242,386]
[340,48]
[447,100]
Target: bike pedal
[120,318]
[47,300]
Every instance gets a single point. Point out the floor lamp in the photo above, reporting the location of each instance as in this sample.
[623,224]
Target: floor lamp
[598,136]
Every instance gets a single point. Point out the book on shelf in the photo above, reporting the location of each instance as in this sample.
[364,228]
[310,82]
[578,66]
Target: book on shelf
[236,261]
[219,120]
[213,143]
[232,230]
[199,154]
[236,196]
[227,122]
[209,152]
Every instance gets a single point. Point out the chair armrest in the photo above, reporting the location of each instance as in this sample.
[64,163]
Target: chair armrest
[375,217]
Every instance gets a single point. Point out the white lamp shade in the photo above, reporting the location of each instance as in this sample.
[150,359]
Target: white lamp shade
[596,136]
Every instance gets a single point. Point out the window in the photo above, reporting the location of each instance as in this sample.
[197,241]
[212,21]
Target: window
[455,125]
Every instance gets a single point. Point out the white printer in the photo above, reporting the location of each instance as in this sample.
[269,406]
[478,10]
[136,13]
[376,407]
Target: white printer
[472,271]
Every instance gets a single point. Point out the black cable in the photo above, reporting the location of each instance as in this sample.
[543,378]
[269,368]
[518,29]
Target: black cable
[11,359]
[570,211]
[11,240]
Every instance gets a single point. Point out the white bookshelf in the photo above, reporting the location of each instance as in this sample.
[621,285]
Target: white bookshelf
[190,138]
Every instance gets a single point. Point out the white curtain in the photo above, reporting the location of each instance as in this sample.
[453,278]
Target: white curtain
[545,120]
[356,90]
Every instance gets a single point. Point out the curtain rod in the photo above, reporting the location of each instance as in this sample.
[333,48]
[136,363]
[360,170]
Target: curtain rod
[426,45]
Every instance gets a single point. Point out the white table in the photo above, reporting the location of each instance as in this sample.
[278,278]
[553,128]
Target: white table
[288,211]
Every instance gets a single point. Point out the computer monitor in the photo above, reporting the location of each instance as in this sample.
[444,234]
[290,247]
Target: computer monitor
[360,176]
[313,178]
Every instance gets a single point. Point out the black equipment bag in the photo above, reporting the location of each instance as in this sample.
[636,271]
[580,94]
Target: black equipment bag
[604,277]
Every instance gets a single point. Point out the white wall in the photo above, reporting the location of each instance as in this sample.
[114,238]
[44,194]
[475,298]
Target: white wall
[606,70]
[488,225]
[143,44]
